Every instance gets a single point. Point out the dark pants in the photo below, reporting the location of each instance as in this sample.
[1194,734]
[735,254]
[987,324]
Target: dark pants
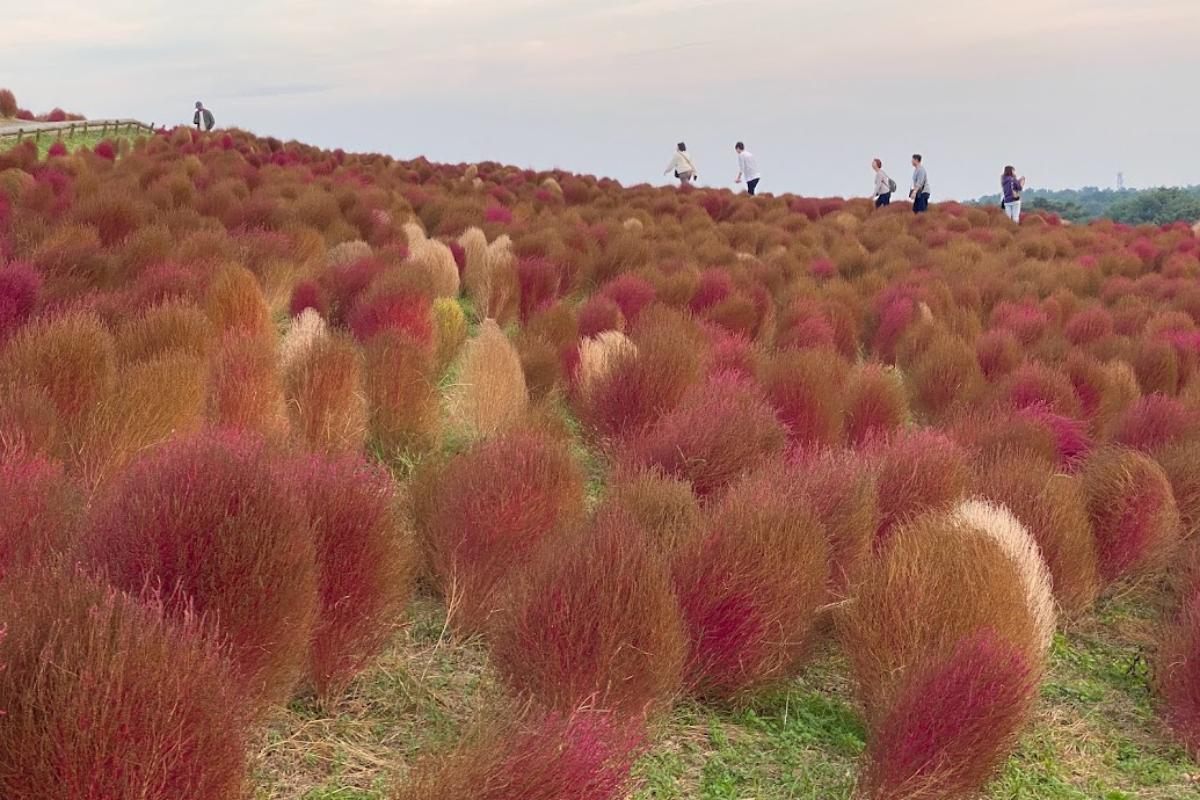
[883,200]
[921,203]
[751,186]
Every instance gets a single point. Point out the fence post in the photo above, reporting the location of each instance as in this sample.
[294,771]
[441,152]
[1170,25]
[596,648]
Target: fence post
[20,132]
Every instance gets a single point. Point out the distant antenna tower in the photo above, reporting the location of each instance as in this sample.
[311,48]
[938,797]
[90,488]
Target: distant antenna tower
[1120,180]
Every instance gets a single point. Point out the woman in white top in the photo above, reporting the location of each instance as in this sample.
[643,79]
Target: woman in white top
[883,185]
[682,166]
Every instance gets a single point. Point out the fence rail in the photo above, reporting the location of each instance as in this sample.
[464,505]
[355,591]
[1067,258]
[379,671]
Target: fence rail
[57,130]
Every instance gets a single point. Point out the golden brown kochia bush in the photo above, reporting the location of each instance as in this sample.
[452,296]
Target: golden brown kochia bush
[245,389]
[326,400]
[71,358]
[29,423]
[1051,505]
[945,375]
[235,303]
[402,398]
[1134,517]
[750,588]
[593,620]
[664,506]
[489,393]
[1181,463]
[805,388]
[149,402]
[173,326]
[876,403]
[936,581]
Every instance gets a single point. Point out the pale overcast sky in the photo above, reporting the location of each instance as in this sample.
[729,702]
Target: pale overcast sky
[1070,91]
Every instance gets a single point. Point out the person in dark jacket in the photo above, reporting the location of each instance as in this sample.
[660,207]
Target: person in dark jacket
[203,118]
[1010,188]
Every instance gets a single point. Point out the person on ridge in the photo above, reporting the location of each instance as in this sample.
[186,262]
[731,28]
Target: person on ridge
[884,186]
[203,118]
[920,187]
[682,166]
[747,169]
[1011,187]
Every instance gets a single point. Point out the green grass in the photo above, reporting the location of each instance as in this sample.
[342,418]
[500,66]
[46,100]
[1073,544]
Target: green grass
[73,143]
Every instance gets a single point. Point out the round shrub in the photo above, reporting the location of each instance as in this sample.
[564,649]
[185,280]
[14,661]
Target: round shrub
[211,526]
[42,510]
[750,588]
[103,697]
[916,471]
[876,403]
[594,621]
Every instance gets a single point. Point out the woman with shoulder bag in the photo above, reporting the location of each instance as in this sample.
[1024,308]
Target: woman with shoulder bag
[884,186]
[682,166]
[1010,189]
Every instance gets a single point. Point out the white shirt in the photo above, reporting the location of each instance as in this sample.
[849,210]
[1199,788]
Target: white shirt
[681,163]
[748,166]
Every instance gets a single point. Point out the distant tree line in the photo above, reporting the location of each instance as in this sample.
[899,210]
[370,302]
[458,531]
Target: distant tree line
[1132,206]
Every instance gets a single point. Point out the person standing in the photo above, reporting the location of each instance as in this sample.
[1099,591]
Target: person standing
[1011,187]
[682,166]
[203,117]
[747,169]
[920,186]
[884,186]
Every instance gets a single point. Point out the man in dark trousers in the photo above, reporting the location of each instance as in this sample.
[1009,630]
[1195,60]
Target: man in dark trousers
[203,117]
[920,187]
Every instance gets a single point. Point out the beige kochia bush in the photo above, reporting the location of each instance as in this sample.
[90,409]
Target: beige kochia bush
[434,259]
[490,278]
[1014,539]
[346,252]
[490,393]
[599,354]
[305,331]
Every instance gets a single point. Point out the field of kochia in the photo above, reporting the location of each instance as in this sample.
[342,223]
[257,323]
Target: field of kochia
[337,476]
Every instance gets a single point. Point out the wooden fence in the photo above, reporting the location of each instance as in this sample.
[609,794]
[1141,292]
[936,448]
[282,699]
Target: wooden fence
[58,130]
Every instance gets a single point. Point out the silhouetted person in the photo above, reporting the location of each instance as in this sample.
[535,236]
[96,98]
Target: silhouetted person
[203,117]
[920,187]
[747,169]
[1010,190]
[884,186]
[682,166]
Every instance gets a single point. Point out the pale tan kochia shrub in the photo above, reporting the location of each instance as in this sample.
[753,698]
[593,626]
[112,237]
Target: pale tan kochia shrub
[434,260]
[490,393]
[348,252]
[936,581]
[490,277]
[598,355]
[1007,531]
[302,335]
[475,276]
[326,401]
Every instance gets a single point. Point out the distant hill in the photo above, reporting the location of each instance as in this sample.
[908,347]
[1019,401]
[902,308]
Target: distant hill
[1133,206]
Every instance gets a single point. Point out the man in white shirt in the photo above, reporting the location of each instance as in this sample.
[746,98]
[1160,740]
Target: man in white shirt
[747,168]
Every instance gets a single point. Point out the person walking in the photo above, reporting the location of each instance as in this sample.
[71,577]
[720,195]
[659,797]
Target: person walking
[1011,187]
[920,186]
[203,118]
[682,166]
[747,169]
[884,186]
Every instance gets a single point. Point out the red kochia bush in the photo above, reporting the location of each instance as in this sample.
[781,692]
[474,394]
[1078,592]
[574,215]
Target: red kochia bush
[1133,512]
[42,509]
[366,562]
[599,314]
[953,724]
[750,587]
[1177,673]
[399,311]
[916,471]
[308,294]
[103,698]
[539,279]
[723,429]
[804,386]
[586,755]
[631,294]
[19,287]
[594,621]
[1154,421]
[210,524]
[488,510]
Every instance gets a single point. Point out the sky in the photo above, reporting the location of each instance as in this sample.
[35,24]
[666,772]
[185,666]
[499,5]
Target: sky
[1071,92]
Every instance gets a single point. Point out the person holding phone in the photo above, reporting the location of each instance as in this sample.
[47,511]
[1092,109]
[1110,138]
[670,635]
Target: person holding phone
[682,166]
[1010,188]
